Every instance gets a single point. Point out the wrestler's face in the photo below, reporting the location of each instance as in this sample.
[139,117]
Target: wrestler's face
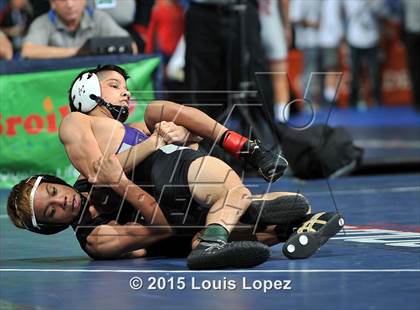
[56,204]
[114,88]
[69,11]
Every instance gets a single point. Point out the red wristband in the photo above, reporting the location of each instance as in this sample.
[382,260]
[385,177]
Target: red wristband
[233,143]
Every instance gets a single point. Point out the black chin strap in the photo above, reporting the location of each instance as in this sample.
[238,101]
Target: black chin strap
[120,113]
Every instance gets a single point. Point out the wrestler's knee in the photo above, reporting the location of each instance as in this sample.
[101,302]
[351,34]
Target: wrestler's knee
[240,197]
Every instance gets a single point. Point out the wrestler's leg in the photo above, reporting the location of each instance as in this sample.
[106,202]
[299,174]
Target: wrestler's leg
[285,209]
[216,185]
[301,238]
[269,165]
[213,183]
[303,233]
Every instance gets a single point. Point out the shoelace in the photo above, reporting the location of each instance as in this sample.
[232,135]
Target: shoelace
[308,225]
[214,245]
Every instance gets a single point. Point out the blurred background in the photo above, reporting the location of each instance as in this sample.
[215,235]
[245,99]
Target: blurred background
[333,84]
[288,63]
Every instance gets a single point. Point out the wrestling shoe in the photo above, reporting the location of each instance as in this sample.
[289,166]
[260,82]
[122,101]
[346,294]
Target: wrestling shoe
[219,254]
[268,164]
[314,232]
[284,209]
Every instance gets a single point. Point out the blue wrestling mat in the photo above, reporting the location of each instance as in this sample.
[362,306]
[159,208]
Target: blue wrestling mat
[373,264]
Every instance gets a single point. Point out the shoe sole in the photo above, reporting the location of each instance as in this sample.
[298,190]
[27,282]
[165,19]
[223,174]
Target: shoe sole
[280,211]
[244,254]
[247,256]
[306,244]
[274,175]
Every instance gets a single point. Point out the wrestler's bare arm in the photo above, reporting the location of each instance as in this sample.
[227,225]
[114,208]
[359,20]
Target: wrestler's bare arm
[116,241]
[128,241]
[122,241]
[83,149]
[79,142]
[109,171]
[196,121]
[135,155]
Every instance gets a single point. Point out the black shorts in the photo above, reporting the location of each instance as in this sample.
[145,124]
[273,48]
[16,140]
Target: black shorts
[165,176]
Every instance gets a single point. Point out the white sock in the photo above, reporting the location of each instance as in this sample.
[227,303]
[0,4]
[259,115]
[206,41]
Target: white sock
[282,112]
[329,93]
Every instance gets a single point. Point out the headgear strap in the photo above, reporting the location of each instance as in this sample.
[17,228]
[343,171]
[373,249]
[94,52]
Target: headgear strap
[31,201]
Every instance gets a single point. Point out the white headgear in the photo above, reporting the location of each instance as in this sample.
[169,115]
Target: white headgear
[83,89]
[32,199]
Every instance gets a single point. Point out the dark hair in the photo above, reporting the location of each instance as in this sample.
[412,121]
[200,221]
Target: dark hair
[99,68]
[19,210]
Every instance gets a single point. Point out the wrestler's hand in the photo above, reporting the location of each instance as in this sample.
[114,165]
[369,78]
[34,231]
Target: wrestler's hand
[108,171]
[175,134]
[172,133]
[157,140]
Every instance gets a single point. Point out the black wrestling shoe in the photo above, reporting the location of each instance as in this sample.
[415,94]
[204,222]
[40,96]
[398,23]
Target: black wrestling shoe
[268,164]
[285,209]
[220,254]
[314,232]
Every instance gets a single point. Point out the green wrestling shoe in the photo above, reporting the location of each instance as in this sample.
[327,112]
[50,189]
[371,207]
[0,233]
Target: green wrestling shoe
[316,230]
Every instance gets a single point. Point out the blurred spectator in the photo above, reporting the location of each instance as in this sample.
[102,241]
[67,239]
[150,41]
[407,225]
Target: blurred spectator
[14,21]
[363,38]
[305,15]
[223,53]
[6,49]
[276,34]
[141,22]
[165,29]
[175,70]
[122,11]
[331,34]
[411,23]
[62,31]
